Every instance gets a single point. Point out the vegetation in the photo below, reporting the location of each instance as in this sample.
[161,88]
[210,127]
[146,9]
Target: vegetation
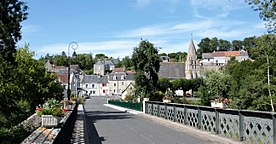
[146,65]
[250,84]
[267,10]
[24,82]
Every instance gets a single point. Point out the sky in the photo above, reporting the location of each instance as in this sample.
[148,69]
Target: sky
[115,27]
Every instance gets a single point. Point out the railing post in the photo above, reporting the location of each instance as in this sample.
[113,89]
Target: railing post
[158,110]
[217,120]
[166,111]
[186,115]
[274,127]
[174,113]
[199,118]
[241,126]
[151,108]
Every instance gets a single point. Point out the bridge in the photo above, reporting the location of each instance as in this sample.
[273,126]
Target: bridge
[97,122]
[106,125]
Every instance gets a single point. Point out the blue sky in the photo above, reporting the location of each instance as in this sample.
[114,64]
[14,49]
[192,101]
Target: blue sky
[115,27]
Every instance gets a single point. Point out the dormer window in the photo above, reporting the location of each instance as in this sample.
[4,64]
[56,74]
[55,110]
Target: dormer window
[122,77]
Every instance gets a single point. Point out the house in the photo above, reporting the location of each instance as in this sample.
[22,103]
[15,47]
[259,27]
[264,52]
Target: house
[95,85]
[120,82]
[165,58]
[221,58]
[101,66]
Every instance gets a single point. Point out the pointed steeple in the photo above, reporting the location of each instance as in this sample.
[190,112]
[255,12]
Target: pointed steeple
[192,50]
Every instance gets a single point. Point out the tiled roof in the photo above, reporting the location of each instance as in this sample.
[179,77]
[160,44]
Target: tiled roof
[62,78]
[119,70]
[130,72]
[224,54]
[172,70]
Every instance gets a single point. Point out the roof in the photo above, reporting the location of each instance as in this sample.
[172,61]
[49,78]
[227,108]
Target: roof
[207,56]
[191,49]
[115,61]
[62,78]
[119,70]
[224,54]
[164,57]
[99,62]
[172,70]
[119,76]
[130,72]
[109,62]
[94,79]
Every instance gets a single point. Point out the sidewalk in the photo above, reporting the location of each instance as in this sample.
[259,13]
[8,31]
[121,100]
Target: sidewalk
[78,133]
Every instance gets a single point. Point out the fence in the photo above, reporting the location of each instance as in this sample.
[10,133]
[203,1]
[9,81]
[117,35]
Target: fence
[65,134]
[241,125]
[130,105]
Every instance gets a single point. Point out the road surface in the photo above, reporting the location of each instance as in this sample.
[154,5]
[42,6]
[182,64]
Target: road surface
[105,125]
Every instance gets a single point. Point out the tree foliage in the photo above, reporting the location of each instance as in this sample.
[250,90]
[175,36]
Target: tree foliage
[267,10]
[12,13]
[215,85]
[27,86]
[250,89]
[146,65]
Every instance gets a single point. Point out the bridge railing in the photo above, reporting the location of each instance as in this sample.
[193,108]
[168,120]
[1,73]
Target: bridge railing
[130,105]
[240,125]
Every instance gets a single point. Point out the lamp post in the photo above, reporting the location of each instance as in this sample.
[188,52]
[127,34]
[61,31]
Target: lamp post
[74,46]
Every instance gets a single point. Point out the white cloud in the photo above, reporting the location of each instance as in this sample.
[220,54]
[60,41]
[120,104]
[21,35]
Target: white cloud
[217,8]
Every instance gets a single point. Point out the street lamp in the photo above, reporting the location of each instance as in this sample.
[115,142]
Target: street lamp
[74,46]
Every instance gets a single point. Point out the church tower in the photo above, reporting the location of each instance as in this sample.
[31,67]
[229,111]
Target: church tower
[191,68]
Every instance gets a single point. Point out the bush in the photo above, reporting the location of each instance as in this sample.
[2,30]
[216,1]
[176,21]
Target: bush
[130,98]
[13,135]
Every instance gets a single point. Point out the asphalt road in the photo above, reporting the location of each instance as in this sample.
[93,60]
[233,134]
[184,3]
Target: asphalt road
[105,125]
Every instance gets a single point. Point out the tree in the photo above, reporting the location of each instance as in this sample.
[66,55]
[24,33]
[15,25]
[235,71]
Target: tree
[146,65]
[207,45]
[215,85]
[267,10]
[12,13]
[127,62]
[163,84]
[29,84]
[224,45]
[237,45]
[100,56]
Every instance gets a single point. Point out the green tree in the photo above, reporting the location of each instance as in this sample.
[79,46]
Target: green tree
[146,65]
[100,56]
[12,13]
[163,84]
[267,10]
[215,85]
[127,63]
[237,45]
[224,45]
[29,83]
[207,45]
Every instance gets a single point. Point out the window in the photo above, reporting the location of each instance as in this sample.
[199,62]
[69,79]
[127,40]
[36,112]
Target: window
[114,84]
[104,84]
[93,85]
[114,77]
[94,92]
[123,83]
[86,85]
[103,91]
[122,77]
[114,91]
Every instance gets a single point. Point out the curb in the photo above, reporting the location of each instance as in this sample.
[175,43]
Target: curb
[123,109]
